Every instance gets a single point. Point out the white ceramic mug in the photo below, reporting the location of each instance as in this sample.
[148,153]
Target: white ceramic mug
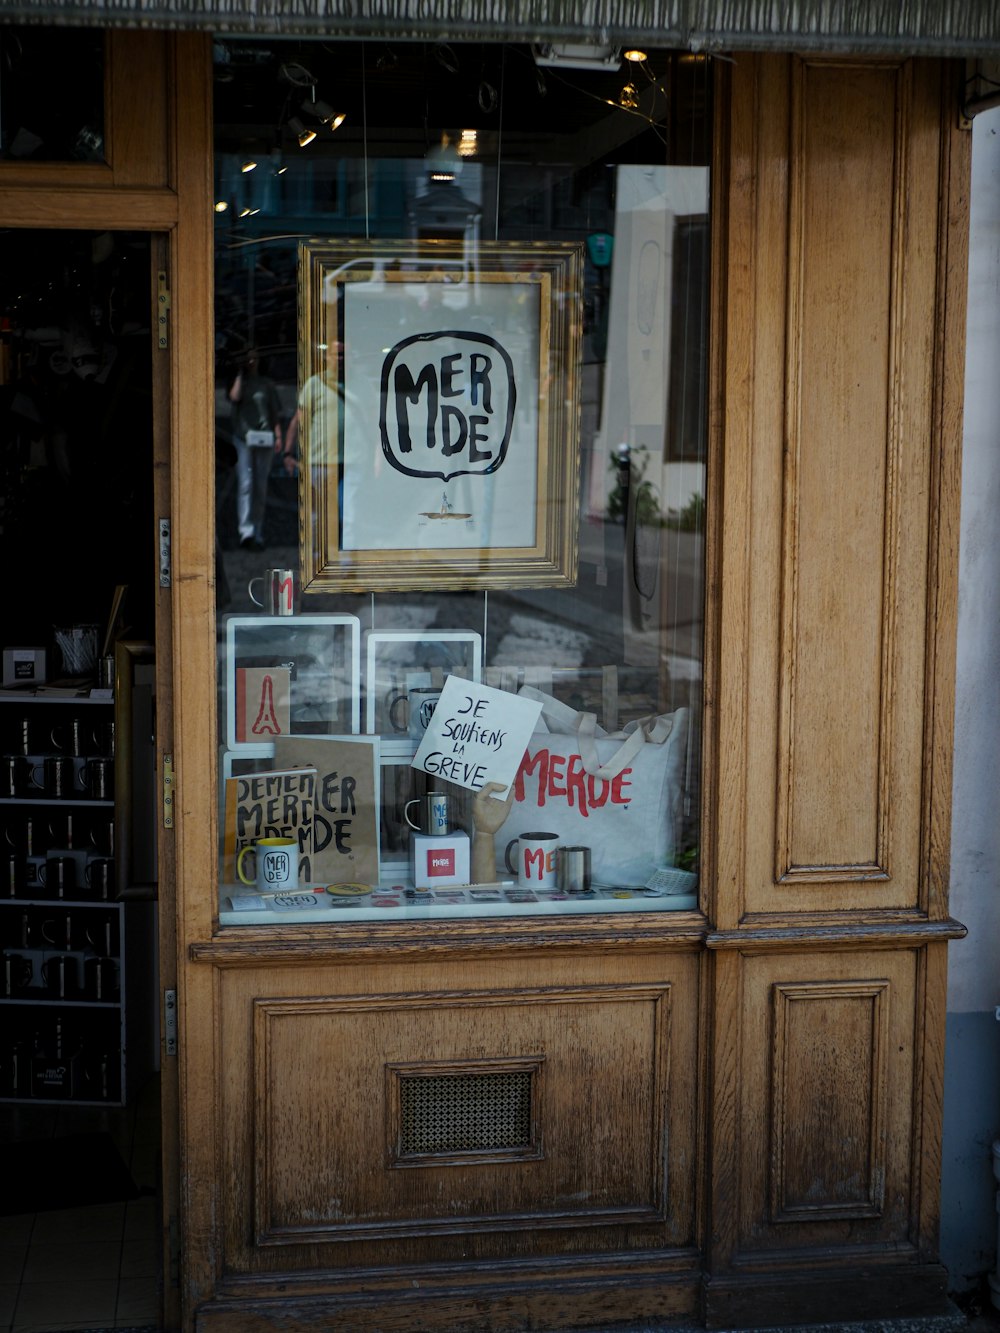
[280,593]
[535,863]
[277,864]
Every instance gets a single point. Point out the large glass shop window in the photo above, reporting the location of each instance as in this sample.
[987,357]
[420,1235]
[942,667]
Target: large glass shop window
[461,327]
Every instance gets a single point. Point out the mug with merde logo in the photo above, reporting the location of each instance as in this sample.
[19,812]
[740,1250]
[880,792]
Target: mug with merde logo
[280,592]
[534,862]
[436,813]
[420,703]
[276,864]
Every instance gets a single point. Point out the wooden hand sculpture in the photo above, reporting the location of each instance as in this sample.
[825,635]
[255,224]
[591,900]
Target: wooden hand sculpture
[488,815]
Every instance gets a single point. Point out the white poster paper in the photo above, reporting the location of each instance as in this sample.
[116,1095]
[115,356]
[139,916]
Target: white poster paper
[465,373]
[476,735]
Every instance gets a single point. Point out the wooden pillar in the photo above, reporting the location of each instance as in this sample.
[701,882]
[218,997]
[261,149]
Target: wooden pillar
[843,324]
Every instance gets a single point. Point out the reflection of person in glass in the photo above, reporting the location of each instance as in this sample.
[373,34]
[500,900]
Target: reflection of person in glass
[319,403]
[257,436]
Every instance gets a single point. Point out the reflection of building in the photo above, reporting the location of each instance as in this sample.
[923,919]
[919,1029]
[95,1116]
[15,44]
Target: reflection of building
[771,1063]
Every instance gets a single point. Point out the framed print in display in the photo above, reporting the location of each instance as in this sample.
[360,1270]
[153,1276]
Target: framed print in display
[440,414]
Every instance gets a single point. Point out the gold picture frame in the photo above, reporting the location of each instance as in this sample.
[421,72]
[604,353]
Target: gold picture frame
[439,414]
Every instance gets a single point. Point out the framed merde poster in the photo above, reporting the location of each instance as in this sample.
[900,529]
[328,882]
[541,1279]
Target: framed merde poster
[440,414]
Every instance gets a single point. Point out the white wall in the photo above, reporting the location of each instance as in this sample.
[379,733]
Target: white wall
[974,976]
[972,1053]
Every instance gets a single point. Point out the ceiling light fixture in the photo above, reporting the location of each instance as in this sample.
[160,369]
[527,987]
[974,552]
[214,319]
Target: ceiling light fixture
[576,55]
[324,112]
[221,206]
[636,56]
[303,135]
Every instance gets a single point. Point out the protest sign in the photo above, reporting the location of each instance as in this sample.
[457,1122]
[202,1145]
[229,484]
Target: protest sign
[476,735]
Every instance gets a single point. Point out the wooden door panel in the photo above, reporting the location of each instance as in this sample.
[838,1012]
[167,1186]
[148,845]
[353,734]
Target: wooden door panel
[424,1122]
[836,418]
[827,1126]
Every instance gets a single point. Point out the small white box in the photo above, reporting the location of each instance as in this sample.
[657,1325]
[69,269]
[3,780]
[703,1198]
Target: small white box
[440,861]
[24,666]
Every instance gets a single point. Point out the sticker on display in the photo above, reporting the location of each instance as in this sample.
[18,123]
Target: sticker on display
[294,902]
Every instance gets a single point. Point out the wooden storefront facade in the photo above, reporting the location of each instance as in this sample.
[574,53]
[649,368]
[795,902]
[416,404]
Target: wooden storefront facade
[769,1067]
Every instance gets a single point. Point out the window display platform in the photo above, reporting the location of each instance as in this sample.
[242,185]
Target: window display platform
[240,906]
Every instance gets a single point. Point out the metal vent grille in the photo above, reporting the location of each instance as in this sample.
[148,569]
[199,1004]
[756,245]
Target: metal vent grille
[459,1113]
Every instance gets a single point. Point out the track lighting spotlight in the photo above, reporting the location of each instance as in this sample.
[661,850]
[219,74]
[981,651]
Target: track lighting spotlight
[305,136]
[324,112]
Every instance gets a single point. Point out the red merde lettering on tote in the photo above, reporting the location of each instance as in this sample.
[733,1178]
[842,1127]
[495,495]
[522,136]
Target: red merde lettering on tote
[563,777]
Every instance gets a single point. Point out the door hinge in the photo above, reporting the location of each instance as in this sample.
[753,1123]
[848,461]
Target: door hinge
[162,310]
[170,1022]
[165,571]
[168,791]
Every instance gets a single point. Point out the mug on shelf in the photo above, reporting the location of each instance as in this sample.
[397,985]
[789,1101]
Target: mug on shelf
[100,979]
[535,860]
[55,776]
[15,774]
[420,704]
[276,864]
[102,935]
[280,592]
[436,813]
[102,836]
[97,778]
[26,835]
[61,831]
[70,737]
[14,880]
[99,878]
[59,931]
[18,974]
[59,877]
[573,869]
[59,975]
[28,736]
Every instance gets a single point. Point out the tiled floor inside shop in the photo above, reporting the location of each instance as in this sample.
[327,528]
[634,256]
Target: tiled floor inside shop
[87,1267]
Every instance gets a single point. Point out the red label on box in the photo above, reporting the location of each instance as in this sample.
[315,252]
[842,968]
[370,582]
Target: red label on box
[441,863]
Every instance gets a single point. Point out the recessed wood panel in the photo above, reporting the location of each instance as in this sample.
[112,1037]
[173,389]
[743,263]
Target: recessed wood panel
[835,432]
[829,1091]
[826,1132]
[326,1116]
[840,466]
